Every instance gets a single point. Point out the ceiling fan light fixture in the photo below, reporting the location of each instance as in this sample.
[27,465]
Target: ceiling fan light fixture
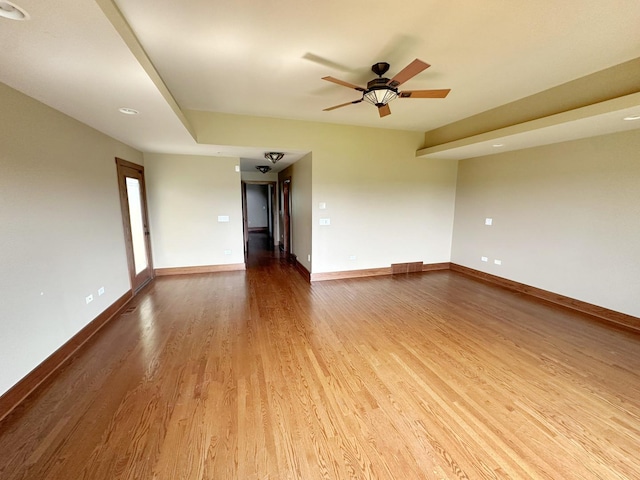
[380,96]
[264,168]
[380,91]
[273,157]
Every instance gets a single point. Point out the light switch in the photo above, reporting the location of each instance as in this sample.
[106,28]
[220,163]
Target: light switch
[325,221]
[322,205]
[223,218]
[488,221]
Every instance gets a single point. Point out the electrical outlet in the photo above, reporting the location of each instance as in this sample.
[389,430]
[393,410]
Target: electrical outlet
[325,221]
[88,299]
[352,257]
[484,259]
[101,291]
[308,258]
[498,262]
[227,252]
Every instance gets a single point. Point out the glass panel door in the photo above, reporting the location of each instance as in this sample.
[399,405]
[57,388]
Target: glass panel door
[137,225]
[134,219]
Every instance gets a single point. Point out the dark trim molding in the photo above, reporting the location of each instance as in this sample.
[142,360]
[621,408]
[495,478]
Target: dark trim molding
[303,271]
[231,267]
[432,267]
[375,272]
[28,384]
[618,319]
[369,272]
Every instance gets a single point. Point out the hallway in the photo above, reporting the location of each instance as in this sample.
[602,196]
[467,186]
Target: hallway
[261,251]
[260,375]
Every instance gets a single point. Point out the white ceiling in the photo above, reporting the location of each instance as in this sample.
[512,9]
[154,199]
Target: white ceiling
[267,58]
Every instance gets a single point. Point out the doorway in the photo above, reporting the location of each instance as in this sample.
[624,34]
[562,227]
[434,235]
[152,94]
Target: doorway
[133,204]
[259,212]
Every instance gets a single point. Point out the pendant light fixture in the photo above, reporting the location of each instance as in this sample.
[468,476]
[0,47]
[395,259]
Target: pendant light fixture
[273,157]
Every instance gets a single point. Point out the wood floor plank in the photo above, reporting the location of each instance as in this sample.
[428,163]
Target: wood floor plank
[257,374]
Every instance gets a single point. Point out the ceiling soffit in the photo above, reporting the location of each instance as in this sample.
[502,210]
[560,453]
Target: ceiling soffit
[615,82]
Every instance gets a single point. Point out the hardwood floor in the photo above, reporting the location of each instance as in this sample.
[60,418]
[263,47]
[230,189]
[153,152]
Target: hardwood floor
[259,375]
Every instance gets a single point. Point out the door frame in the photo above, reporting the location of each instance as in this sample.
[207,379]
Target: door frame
[286,216]
[128,169]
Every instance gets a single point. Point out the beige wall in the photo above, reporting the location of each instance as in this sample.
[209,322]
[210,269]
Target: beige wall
[61,237]
[385,205]
[186,194]
[566,218]
[301,229]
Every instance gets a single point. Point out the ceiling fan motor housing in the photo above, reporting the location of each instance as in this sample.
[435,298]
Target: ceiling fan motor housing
[380,68]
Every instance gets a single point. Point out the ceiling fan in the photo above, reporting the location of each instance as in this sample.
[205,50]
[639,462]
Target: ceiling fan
[380,91]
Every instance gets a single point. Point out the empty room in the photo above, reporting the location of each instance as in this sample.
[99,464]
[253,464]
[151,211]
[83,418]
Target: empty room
[319,240]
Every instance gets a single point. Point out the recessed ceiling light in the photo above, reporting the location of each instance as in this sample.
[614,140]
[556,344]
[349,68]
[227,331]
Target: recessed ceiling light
[632,117]
[12,11]
[498,145]
[128,111]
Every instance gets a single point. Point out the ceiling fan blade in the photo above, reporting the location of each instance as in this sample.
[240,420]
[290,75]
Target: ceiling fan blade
[325,62]
[341,105]
[384,110]
[424,93]
[408,72]
[343,83]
